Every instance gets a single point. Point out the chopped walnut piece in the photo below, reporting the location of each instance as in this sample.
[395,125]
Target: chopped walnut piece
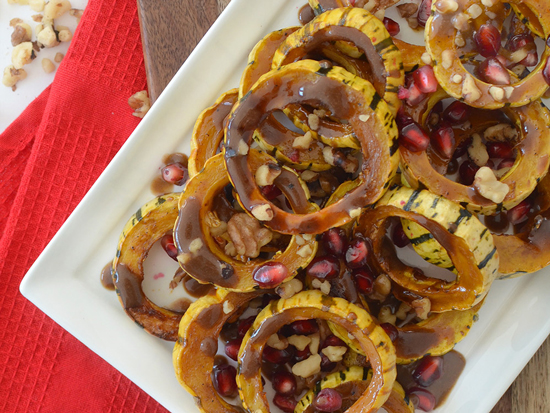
[277,342]
[385,315]
[64,34]
[446,6]
[461,21]
[300,342]
[303,141]
[22,54]
[315,341]
[37,5]
[324,286]
[46,36]
[55,9]
[77,13]
[407,10]
[22,32]
[37,18]
[478,151]
[470,92]
[262,212]
[266,174]
[305,251]
[216,226]
[47,65]
[334,353]
[487,185]
[243,148]
[12,76]
[381,288]
[247,235]
[503,132]
[290,288]
[422,307]
[140,103]
[313,121]
[308,367]
[447,59]
[21,2]
[58,57]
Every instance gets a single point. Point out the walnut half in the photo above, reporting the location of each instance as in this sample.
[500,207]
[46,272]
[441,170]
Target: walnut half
[247,235]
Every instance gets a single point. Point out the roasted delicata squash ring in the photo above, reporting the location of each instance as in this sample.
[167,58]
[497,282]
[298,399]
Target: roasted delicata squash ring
[197,344]
[366,32]
[346,96]
[532,161]
[529,16]
[357,378]
[439,36]
[198,252]
[527,251]
[468,243]
[315,305]
[436,335]
[208,131]
[149,224]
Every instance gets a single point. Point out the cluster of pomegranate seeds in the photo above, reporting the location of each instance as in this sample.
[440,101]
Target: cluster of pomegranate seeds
[286,403]
[175,173]
[520,212]
[224,380]
[327,400]
[272,355]
[244,325]
[302,328]
[456,113]
[270,274]
[424,11]
[422,398]
[335,241]
[390,330]
[429,370]
[167,243]
[324,268]
[467,172]
[357,253]
[488,40]
[391,26]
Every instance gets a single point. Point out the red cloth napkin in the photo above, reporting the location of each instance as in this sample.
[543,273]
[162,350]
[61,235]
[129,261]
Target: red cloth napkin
[49,158]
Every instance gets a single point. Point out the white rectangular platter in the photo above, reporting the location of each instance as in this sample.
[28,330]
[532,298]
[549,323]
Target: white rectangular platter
[512,324]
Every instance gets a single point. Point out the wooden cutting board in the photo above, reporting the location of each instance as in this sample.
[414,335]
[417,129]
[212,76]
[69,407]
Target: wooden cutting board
[170,30]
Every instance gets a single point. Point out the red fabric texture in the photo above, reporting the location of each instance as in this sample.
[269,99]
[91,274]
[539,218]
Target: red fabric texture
[49,158]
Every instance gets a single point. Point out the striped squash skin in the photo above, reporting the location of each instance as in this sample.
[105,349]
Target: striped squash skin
[456,220]
[365,22]
[316,305]
[349,375]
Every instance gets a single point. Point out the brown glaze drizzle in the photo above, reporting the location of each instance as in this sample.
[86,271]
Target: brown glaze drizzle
[128,287]
[106,277]
[305,14]
[180,305]
[453,365]
[195,288]
[160,187]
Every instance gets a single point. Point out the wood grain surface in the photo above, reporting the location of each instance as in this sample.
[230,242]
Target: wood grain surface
[171,32]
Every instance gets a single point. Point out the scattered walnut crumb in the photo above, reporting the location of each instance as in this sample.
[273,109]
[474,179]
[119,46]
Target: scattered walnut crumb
[309,176]
[303,141]
[470,92]
[313,121]
[46,36]
[497,93]
[266,174]
[37,5]
[426,58]
[195,245]
[407,10]
[447,59]
[55,9]
[290,288]
[47,65]
[243,148]
[385,315]
[478,151]
[228,307]
[474,11]
[76,13]
[22,32]
[324,286]
[422,307]
[12,76]
[308,367]
[334,353]
[37,18]
[22,54]
[262,212]
[58,57]
[140,103]
[300,342]
[277,342]
[20,2]
[64,34]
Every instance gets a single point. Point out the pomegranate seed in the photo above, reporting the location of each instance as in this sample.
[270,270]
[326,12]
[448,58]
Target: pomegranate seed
[399,237]
[506,163]
[462,148]
[284,383]
[391,26]
[357,253]
[456,113]
[275,356]
[333,341]
[422,399]
[452,167]
[390,330]
[270,274]
[500,150]
[286,403]
[244,326]
[492,71]
[443,140]
[424,11]
[328,400]
[364,279]
[546,71]
[487,40]
[519,213]
[424,79]
[324,268]
[294,156]
[428,370]
[414,138]
[490,164]
[335,241]
[270,192]
[403,93]
[415,95]
[521,41]
[301,355]
[302,327]
[167,243]
[224,380]
[467,172]
[326,364]
[232,348]
[530,60]
[497,223]
[175,173]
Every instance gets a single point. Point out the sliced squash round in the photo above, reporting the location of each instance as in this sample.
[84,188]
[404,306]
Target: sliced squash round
[315,305]
[149,224]
[346,96]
